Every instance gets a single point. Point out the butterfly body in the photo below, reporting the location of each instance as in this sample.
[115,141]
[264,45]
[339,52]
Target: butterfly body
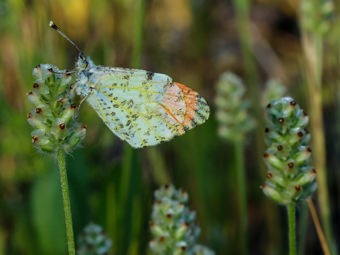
[140,107]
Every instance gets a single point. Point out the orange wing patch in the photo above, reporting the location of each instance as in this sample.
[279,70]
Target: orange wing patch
[185,106]
[190,99]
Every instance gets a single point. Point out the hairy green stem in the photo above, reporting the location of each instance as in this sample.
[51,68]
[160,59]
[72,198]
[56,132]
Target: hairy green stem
[291,228]
[66,201]
[241,186]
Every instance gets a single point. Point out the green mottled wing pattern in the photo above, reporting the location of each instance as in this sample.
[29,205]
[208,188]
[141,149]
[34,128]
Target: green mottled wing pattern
[144,108]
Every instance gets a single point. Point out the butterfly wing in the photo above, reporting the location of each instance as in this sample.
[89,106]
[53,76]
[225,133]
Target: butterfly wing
[145,108]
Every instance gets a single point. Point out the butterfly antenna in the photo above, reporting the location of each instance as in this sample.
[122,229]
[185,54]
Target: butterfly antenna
[56,28]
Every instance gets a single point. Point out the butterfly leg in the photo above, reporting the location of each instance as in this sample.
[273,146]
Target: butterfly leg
[82,100]
[71,90]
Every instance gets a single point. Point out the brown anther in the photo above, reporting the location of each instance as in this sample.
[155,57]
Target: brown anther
[183,192]
[38,110]
[183,248]
[73,106]
[38,67]
[169,215]
[34,139]
[29,115]
[314,171]
[300,134]
[305,114]
[35,85]
[50,70]
[161,238]
[62,126]
[30,93]
[290,164]
[309,149]
[298,187]
[281,120]
[166,186]
[269,175]
[151,223]
[159,202]
[266,130]
[266,155]
[186,224]
[269,105]
[280,148]
[83,126]
[292,103]
[306,130]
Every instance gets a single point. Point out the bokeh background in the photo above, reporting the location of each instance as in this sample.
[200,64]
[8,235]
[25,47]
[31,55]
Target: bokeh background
[192,41]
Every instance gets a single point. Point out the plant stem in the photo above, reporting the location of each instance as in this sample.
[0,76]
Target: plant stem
[138,36]
[242,11]
[244,29]
[302,229]
[318,227]
[291,227]
[241,185]
[313,48]
[66,201]
[158,167]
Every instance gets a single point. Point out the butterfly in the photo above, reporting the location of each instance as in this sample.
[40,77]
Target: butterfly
[140,107]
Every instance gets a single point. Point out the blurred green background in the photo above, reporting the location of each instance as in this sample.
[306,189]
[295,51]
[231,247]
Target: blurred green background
[192,41]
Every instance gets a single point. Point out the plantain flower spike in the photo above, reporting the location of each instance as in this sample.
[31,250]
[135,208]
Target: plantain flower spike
[291,175]
[172,225]
[93,241]
[53,118]
[232,109]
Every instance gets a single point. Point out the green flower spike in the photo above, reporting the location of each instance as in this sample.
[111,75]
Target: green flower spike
[93,241]
[173,229]
[53,117]
[232,109]
[234,124]
[290,176]
[56,130]
[274,90]
[316,15]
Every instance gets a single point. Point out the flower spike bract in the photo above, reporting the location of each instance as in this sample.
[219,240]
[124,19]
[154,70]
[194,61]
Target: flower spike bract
[53,117]
[172,226]
[291,175]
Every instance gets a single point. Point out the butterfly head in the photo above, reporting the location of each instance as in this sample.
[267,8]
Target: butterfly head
[84,63]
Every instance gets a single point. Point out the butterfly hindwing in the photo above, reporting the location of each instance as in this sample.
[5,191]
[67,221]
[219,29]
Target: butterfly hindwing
[145,108]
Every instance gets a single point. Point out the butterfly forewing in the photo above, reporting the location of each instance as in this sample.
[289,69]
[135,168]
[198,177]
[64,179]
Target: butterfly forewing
[145,108]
